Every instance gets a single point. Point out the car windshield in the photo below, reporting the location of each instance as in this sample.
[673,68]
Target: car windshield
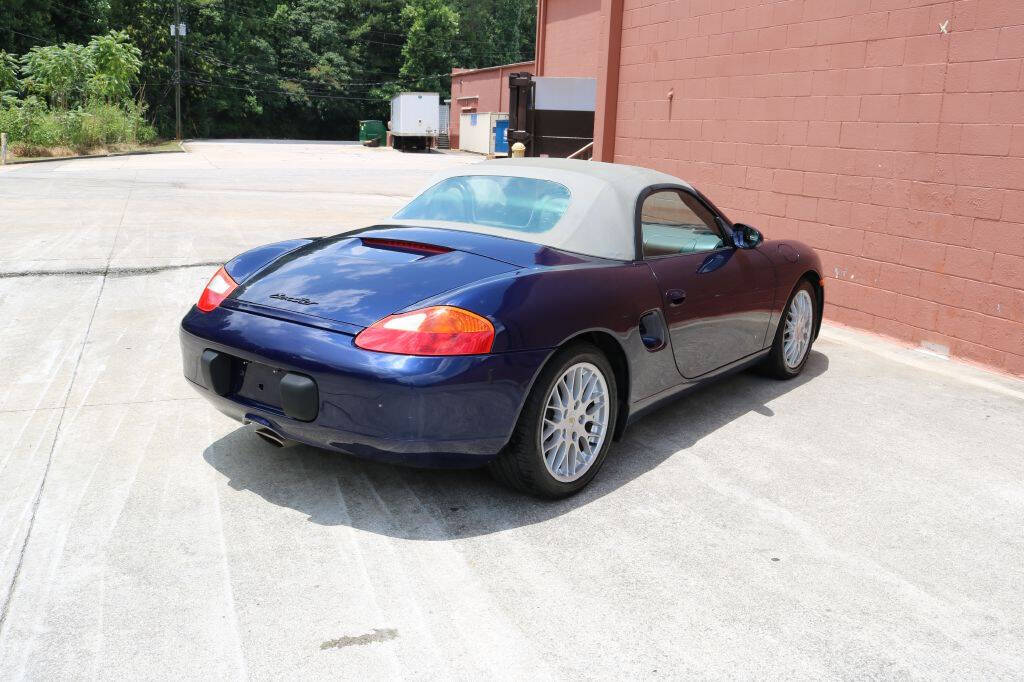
[514,203]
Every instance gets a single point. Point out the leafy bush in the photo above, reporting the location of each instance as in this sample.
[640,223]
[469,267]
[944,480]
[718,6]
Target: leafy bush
[88,89]
[33,128]
[57,72]
[106,124]
[116,63]
[72,74]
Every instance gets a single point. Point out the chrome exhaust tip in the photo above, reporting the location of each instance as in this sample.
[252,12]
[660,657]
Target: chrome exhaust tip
[272,437]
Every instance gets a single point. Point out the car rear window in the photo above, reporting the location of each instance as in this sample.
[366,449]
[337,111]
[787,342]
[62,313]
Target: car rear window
[514,203]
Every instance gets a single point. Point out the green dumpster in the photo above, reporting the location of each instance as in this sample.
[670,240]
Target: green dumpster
[372,133]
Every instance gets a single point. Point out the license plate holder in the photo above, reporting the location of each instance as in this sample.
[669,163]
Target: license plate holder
[261,383]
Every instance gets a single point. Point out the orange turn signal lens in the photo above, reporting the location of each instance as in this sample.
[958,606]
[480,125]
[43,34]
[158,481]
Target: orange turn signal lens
[438,330]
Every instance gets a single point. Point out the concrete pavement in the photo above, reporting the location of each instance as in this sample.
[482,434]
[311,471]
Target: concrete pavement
[864,520]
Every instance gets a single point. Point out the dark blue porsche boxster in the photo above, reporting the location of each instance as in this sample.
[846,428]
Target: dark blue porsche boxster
[517,313]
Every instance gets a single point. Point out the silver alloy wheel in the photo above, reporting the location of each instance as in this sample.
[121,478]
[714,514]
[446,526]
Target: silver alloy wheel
[575,422]
[796,338]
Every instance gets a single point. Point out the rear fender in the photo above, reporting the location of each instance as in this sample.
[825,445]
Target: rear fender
[544,308]
[245,265]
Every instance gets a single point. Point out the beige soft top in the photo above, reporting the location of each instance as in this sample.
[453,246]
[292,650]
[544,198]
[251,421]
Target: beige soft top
[602,204]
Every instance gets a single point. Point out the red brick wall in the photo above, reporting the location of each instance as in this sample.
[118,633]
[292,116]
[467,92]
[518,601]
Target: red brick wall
[570,35]
[859,127]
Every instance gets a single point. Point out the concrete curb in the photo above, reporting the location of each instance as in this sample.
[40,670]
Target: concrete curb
[139,152]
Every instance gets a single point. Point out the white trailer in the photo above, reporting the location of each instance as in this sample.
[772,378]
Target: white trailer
[415,120]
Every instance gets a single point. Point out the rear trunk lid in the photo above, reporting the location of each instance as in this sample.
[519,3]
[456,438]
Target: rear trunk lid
[359,280]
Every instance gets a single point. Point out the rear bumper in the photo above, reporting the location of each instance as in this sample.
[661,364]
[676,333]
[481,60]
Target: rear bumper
[454,411]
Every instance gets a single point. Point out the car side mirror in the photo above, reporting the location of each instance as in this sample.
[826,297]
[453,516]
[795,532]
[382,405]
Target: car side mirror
[746,236]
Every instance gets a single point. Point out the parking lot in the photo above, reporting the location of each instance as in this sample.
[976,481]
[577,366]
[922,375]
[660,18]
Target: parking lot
[864,520]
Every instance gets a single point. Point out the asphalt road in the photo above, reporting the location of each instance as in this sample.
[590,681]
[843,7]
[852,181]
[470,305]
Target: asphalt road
[865,520]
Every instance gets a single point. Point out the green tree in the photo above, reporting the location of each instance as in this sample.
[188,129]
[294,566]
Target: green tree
[58,73]
[147,24]
[230,65]
[319,61]
[429,54]
[515,28]
[379,38]
[9,72]
[27,23]
[262,68]
[494,32]
[9,83]
[116,63]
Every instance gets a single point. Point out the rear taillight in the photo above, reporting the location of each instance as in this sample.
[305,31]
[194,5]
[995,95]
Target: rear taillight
[438,330]
[216,290]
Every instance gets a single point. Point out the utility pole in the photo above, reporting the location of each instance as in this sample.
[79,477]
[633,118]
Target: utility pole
[177,30]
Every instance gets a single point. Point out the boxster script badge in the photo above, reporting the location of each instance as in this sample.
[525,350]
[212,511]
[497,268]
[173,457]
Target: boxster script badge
[292,299]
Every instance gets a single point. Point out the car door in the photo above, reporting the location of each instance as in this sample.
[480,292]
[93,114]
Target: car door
[717,298]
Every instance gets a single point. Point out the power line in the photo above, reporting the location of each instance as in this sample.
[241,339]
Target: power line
[29,35]
[277,59]
[503,55]
[285,92]
[361,40]
[163,95]
[213,56]
[243,79]
[394,78]
[249,82]
[210,55]
[80,12]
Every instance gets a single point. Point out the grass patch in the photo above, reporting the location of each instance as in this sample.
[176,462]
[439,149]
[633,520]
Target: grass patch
[30,153]
[35,130]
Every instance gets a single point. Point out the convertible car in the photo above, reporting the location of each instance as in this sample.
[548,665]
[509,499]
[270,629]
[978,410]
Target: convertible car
[517,314]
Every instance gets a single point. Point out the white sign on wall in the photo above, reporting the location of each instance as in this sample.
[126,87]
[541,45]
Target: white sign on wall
[565,94]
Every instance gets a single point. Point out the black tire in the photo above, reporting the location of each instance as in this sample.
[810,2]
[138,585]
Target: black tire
[775,364]
[521,464]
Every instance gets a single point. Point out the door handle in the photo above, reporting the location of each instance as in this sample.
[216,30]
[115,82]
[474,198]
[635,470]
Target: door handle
[675,296]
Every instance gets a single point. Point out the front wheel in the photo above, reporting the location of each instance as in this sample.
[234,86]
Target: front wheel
[795,334]
[565,429]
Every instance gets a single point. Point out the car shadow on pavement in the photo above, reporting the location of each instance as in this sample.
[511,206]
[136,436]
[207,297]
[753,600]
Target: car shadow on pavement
[423,504]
